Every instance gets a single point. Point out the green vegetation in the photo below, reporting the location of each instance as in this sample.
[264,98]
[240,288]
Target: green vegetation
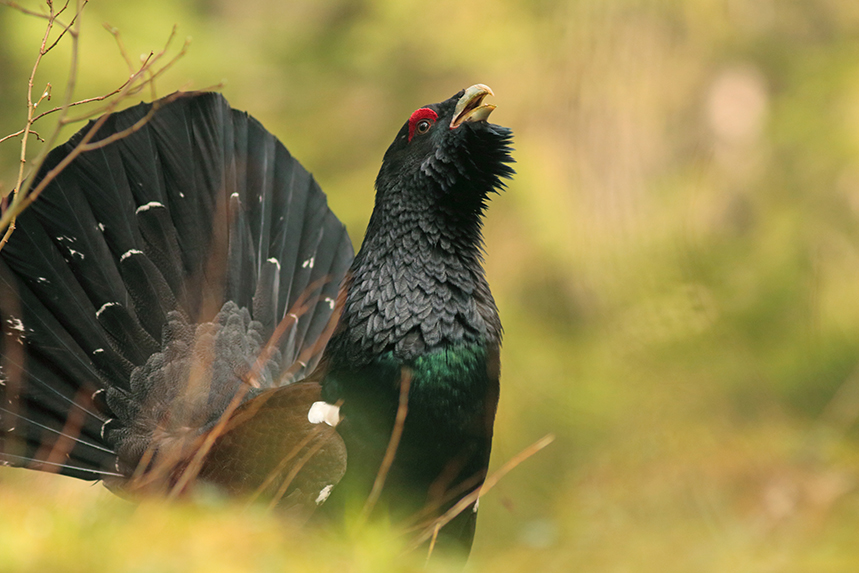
[676,265]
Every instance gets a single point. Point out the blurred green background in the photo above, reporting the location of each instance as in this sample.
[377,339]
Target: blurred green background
[676,265]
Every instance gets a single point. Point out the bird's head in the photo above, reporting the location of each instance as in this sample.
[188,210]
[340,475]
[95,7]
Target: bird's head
[447,155]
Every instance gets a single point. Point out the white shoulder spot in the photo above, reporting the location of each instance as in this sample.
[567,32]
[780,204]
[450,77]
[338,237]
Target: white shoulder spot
[148,206]
[324,412]
[324,493]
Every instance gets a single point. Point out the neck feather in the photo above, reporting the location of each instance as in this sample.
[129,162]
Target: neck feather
[417,284]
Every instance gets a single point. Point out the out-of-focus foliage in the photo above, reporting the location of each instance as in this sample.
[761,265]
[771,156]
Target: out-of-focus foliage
[676,264]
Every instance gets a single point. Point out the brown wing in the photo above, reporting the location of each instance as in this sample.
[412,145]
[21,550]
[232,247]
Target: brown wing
[269,449]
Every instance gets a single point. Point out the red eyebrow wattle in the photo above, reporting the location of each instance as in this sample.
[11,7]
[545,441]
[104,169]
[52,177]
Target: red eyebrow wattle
[422,113]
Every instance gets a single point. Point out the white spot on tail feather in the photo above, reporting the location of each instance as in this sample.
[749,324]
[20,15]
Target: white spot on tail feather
[476,505]
[101,227]
[330,301]
[103,428]
[275,261]
[42,280]
[75,253]
[104,307]
[236,195]
[16,324]
[308,264]
[148,206]
[324,412]
[129,253]
[98,351]
[323,495]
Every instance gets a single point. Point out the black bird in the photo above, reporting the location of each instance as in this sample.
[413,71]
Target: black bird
[166,303]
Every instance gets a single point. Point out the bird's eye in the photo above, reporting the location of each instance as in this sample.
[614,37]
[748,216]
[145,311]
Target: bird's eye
[421,121]
[423,126]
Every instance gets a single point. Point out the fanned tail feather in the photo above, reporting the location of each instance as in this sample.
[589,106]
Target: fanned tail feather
[129,248]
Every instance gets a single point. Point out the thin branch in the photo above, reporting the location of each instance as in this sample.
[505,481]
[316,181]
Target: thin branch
[22,195]
[435,531]
[23,199]
[81,102]
[490,482]
[9,230]
[116,36]
[20,132]
[393,444]
[21,188]
[30,108]
[278,469]
[304,303]
[324,434]
[65,28]
[16,6]
[196,463]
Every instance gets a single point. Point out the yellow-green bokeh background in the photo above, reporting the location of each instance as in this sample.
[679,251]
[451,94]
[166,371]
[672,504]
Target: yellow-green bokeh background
[676,265]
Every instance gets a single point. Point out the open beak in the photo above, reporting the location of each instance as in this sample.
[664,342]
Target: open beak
[470,106]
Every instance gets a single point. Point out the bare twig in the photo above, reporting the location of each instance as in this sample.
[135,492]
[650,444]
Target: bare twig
[21,132]
[9,230]
[490,482]
[304,303]
[14,208]
[57,453]
[323,434]
[22,194]
[30,107]
[278,469]
[435,531]
[82,102]
[23,10]
[116,36]
[196,464]
[393,444]
[65,28]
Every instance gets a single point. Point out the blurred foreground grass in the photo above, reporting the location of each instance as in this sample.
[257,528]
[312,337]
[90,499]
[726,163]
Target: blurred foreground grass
[676,264]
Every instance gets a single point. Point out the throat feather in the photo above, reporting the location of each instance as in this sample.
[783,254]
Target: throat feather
[411,293]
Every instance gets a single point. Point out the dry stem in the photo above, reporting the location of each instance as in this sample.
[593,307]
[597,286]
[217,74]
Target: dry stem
[146,74]
[490,482]
[393,444]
